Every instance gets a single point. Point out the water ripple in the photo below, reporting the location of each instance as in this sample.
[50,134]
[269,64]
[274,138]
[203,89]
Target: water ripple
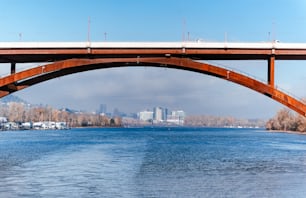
[158,162]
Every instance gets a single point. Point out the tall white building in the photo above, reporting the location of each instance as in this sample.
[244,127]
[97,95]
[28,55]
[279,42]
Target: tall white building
[158,114]
[146,115]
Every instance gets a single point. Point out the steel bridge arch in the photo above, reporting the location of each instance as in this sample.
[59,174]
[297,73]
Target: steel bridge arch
[23,79]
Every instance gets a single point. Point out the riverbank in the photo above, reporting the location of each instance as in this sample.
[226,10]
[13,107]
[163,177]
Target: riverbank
[283,131]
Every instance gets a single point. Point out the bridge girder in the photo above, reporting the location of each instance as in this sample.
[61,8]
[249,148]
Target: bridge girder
[23,79]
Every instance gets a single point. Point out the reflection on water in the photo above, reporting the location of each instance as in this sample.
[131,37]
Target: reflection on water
[157,162]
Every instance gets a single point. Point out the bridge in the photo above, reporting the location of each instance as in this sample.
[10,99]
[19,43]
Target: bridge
[64,58]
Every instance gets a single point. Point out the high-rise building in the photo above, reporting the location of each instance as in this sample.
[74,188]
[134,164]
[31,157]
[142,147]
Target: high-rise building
[165,114]
[158,114]
[102,109]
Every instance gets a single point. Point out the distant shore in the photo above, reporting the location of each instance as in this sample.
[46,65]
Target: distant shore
[283,131]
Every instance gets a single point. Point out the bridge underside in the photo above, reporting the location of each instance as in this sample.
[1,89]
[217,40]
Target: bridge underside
[29,77]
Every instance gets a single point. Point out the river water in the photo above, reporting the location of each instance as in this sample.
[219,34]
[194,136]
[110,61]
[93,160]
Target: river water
[152,162]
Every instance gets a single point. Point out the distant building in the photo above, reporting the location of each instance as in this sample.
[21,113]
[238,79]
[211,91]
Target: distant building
[132,115]
[176,117]
[180,114]
[158,114]
[3,119]
[102,109]
[161,115]
[165,114]
[146,115]
[46,125]
[118,113]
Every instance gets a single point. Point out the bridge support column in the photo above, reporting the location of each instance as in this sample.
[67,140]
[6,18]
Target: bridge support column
[13,68]
[271,68]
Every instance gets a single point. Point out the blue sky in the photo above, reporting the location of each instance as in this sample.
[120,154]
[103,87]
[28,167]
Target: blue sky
[160,20]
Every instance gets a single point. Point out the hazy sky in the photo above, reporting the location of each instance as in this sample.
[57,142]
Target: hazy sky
[138,88]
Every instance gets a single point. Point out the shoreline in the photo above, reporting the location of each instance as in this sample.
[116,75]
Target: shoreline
[283,131]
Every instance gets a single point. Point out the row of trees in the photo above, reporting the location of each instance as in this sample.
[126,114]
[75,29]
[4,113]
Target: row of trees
[285,120]
[20,112]
[215,121]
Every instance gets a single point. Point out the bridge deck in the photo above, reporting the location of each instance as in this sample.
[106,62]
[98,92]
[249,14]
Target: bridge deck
[21,52]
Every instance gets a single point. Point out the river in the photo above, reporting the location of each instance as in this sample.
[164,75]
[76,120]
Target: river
[152,162]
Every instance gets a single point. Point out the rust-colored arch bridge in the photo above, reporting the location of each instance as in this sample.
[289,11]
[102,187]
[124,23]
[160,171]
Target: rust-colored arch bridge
[67,58]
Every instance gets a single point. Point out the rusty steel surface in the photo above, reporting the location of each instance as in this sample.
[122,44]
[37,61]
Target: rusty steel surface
[29,77]
[271,70]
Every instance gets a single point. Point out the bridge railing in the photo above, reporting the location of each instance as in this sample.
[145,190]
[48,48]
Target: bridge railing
[20,68]
[236,70]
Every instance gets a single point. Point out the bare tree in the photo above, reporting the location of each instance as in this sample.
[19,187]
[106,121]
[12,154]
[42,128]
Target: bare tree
[287,121]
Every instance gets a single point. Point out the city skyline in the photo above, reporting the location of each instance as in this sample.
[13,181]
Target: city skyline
[133,88]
